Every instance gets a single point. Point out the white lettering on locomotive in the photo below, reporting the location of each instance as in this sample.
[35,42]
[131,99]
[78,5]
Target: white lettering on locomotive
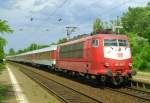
[117,53]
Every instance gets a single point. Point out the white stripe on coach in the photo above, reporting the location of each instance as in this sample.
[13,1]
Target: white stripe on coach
[21,98]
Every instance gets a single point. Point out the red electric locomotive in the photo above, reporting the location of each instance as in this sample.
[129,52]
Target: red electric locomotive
[102,56]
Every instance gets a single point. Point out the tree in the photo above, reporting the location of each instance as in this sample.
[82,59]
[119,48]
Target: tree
[4,28]
[63,40]
[11,51]
[140,52]
[97,26]
[20,51]
[31,47]
[116,25]
[136,24]
[2,44]
[148,4]
[137,20]
[2,41]
[42,46]
[35,46]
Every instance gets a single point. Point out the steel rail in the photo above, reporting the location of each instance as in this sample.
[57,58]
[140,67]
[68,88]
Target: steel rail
[74,99]
[133,92]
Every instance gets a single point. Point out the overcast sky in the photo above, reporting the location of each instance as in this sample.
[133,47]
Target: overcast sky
[45,26]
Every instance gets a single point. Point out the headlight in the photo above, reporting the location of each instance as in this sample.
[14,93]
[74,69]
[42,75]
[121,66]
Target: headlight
[106,64]
[130,64]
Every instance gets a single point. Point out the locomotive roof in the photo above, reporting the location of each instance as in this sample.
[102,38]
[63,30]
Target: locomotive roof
[52,47]
[94,36]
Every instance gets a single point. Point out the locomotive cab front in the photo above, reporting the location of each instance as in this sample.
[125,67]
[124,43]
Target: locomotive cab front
[115,61]
[117,57]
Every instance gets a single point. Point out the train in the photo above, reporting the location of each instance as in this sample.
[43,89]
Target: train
[101,57]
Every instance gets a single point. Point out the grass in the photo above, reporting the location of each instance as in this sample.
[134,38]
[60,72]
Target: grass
[2,66]
[141,73]
[3,88]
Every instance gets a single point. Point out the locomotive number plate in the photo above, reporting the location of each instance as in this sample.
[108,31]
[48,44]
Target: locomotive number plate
[120,55]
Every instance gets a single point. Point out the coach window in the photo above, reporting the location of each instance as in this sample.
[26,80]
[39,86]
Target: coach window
[95,43]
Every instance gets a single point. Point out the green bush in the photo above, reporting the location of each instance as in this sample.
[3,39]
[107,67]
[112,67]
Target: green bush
[145,56]
[140,52]
[2,66]
[3,90]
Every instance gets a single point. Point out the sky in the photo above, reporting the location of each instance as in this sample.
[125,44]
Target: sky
[38,21]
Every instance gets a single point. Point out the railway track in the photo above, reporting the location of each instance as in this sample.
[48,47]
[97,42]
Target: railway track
[144,95]
[74,94]
[66,94]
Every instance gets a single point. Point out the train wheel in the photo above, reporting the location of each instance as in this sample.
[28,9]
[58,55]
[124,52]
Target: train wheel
[73,74]
[127,80]
[101,80]
[117,80]
[77,75]
[87,76]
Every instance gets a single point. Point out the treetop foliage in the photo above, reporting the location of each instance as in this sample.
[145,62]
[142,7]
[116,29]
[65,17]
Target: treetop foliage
[4,27]
[63,40]
[140,52]
[136,24]
[97,26]
[137,20]
[31,47]
[11,51]
[2,41]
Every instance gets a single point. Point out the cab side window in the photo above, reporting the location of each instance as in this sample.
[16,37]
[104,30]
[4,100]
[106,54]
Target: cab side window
[95,43]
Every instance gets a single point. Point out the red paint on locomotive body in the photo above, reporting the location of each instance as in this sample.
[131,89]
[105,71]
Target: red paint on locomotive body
[98,55]
[53,54]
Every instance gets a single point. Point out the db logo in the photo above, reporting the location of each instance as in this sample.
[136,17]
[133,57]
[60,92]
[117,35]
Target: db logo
[120,55]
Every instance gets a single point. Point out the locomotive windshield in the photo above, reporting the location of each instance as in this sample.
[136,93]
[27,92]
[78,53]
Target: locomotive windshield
[115,42]
[122,42]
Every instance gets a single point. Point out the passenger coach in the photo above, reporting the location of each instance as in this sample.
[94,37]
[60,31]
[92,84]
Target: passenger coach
[45,56]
